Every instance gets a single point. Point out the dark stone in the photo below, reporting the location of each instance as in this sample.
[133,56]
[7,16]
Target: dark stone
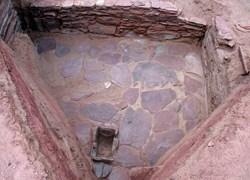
[70,109]
[166,120]
[121,76]
[191,108]
[102,29]
[45,44]
[128,156]
[131,95]
[71,68]
[135,127]
[176,106]
[119,173]
[83,132]
[106,170]
[99,112]
[126,59]
[62,50]
[191,85]
[172,62]
[94,51]
[160,143]
[109,20]
[109,58]
[155,101]
[96,77]
[102,170]
[153,74]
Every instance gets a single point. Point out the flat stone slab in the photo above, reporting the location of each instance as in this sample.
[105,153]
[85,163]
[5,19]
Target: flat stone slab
[71,68]
[45,44]
[135,127]
[94,51]
[93,66]
[70,109]
[153,74]
[120,173]
[83,132]
[156,100]
[99,112]
[102,29]
[96,77]
[166,120]
[170,61]
[121,76]
[160,143]
[191,85]
[110,58]
[128,156]
[194,64]
[191,108]
[131,95]
[84,46]
[62,49]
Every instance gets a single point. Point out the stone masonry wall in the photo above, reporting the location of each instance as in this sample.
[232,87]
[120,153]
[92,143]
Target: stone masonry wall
[157,20]
[9,21]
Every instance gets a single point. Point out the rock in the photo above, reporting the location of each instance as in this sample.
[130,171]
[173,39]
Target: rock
[94,51]
[96,77]
[121,76]
[163,35]
[191,124]
[245,58]
[62,50]
[191,85]
[99,112]
[93,66]
[243,25]
[131,95]
[126,59]
[172,62]
[160,49]
[153,74]
[119,173]
[109,58]
[160,143]
[191,108]
[138,54]
[194,64]
[83,132]
[108,20]
[106,170]
[175,106]
[45,44]
[225,35]
[70,109]
[71,68]
[156,100]
[85,45]
[77,96]
[110,45]
[102,29]
[177,49]
[135,127]
[166,120]
[128,156]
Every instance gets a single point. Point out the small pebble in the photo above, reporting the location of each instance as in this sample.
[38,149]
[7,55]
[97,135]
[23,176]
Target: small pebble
[107,85]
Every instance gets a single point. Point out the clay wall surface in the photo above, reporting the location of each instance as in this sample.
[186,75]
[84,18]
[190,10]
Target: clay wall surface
[9,21]
[157,20]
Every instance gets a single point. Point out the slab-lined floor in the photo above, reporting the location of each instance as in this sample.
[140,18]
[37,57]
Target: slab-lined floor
[154,92]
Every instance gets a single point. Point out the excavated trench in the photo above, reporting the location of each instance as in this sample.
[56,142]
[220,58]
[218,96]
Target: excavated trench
[130,81]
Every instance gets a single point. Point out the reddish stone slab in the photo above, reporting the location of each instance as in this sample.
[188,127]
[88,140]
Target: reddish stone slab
[135,127]
[71,68]
[166,120]
[110,58]
[128,156]
[191,85]
[101,29]
[155,101]
[121,76]
[99,112]
[70,109]
[131,95]
[171,61]
[191,108]
[119,173]
[160,143]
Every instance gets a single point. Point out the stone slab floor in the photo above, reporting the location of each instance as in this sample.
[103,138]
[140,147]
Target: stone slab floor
[154,92]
